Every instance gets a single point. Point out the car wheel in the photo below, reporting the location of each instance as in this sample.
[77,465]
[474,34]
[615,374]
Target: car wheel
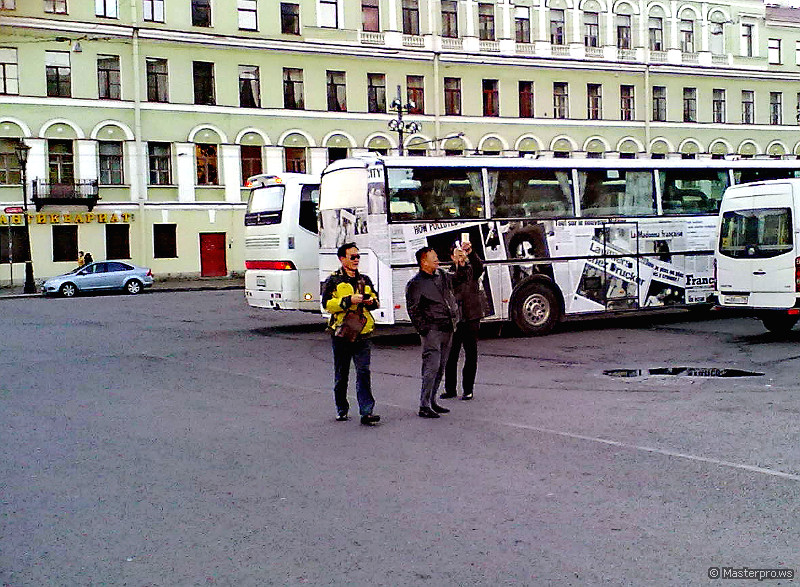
[68,290]
[779,323]
[535,309]
[133,287]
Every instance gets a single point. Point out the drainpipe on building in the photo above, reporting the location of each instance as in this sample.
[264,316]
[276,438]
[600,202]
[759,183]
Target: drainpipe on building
[648,105]
[437,103]
[139,170]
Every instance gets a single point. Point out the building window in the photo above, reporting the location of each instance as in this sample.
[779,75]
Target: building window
[165,242]
[108,77]
[376,92]
[159,158]
[65,243]
[774,51]
[55,7]
[337,91]
[293,89]
[776,107]
[655,28]
[747,40]
[153,10]
[486,22]
[415,89]
[491,97]
[450,19]
[110,162]
[660,103]
[522,24]
[526,100]
[17,250]
[797,112]
[797,52]
[627,103]
[201,13]
[690,104]
[9,71]
[329,14]
[157,80]
[249,87]
[336,153]
[207,170]
[203,76]
[591,29]
[295,159]
[452,96]
[59,74]
[370,16]
[248,15]
[623,31]
[748,107]
[557,27]
[251,161]
[410,17]
[718,105]
[594,101]
[290,18]
[8,4]
[118,241]
[106,8]
[60,162]
[560,100]
[687,35]
[10,172]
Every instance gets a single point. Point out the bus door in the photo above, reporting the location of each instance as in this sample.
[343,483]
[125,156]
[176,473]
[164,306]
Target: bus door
[611,274]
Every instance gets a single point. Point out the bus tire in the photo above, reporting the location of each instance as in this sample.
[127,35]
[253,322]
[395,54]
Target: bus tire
[778,323]
[535,309]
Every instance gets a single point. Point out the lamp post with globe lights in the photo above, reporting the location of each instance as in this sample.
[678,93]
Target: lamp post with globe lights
[397,124]
[21,151]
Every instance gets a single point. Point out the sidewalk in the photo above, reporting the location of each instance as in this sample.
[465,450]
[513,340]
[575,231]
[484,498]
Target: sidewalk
[160,285]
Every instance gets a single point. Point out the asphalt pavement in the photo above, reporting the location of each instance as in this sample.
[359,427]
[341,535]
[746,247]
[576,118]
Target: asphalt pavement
[159,285]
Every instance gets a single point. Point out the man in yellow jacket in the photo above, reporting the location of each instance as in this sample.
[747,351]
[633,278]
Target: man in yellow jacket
[347,290]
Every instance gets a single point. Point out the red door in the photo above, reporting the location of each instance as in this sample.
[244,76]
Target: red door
[212,254]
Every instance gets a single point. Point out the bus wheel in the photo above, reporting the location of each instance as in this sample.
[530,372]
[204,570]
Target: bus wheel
[778,323]
[535,309]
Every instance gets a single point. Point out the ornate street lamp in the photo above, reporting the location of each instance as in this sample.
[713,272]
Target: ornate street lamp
[397,124]
[21,150]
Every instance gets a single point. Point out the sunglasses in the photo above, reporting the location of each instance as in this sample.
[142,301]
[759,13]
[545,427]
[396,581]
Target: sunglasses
[354,257]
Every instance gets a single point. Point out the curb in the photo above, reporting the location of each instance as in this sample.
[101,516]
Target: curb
[172,289]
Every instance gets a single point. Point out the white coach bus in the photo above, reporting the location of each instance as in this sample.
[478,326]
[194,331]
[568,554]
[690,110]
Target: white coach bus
[281,243]
[561,237]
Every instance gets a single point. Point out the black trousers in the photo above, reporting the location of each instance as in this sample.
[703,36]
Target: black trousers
[466,335]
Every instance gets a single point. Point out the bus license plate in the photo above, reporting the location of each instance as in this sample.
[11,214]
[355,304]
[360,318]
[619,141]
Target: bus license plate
[261,282]
[736,299]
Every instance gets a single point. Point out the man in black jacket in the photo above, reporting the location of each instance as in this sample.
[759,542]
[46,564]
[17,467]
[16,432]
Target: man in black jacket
[434,313]
[466,271]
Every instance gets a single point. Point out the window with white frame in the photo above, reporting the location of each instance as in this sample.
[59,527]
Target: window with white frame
[687,35]
[690,104]
[110,162]
[655,29]
[659,103]
[718,105]
[328,14]
[556,27]
[59,74]
[591,29]
[774,51]
[627,104]
[776,107]
[153,10]
[522,24]
[747,39]
[9,71]
[623,31]
[748,107]
[594,102]
[55,6]
[106,8]
[560,99]
[410,13]
[248,15]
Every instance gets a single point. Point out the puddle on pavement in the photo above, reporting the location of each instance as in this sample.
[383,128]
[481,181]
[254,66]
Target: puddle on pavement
[683,371]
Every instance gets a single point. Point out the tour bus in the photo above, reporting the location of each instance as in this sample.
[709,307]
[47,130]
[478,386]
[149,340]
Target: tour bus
[757,259]
[561,237]
[281,243]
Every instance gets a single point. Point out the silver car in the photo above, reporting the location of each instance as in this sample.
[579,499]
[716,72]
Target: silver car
[102,275]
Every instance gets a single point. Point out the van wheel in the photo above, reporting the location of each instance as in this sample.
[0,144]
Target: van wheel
[68,290]
[535,309]
[779,323]
[133,287]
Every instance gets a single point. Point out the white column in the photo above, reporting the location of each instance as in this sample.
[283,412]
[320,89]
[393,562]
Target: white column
[318,159]
[87,159]
[576,26]
[37,161]
[273,160]
[134,176]
[469,31]
[392,8]
[186,171]
[508,31]
[231,158]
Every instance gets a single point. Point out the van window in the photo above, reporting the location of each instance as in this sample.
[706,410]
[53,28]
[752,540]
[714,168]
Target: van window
[692,191]
[759,233]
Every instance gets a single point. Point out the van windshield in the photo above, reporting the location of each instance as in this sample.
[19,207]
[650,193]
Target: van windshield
[758,233]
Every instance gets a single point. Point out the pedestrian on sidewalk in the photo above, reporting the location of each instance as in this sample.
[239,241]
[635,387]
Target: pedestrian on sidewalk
[433,311]
[348,295]
[81,259]
[466,273]
[87,258]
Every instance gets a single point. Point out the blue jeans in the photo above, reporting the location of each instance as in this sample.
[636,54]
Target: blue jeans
[435,347]
[359,352]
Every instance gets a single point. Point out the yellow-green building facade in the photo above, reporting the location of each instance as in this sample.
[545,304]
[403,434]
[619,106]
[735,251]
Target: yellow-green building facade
[143,117]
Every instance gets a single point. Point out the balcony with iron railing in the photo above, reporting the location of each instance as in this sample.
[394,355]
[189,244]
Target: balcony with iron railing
[79,193]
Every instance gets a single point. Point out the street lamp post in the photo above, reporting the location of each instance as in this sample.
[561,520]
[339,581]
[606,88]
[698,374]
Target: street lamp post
[21,151]
[397,124]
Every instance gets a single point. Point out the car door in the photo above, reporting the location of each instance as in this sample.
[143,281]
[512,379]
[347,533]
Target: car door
[95,277]
[117,273]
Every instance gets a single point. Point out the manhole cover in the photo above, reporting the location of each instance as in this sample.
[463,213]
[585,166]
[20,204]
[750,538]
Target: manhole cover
[683,371]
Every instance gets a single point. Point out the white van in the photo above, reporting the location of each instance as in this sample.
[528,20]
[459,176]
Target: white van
[756,258]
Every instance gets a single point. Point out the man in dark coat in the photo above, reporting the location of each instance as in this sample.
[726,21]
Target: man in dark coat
[466,271]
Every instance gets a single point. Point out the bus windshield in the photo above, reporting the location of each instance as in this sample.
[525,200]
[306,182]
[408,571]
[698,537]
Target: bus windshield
[266,199]
[434,193]
[759,233]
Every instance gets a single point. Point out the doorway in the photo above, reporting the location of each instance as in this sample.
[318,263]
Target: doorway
[212,254]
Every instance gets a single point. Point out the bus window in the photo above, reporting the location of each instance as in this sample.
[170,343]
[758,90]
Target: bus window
[692,191]
[756,234]
[434,193]
[265,205]
[531,193]
[761,174]
[309,199]
[616,192]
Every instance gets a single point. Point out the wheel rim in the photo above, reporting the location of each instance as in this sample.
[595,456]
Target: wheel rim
[133,287]
[536,309]
[68,291]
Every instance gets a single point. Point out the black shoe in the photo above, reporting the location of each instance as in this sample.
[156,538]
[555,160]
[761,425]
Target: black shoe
[370,419]
[467,395]
[448,395]
[342,417]
[427,413]
[439,409]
